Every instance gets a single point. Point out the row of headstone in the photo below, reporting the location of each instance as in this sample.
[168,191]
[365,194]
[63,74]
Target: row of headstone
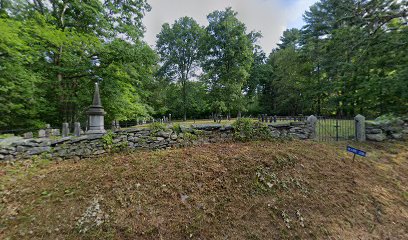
[266,118]
[48,131]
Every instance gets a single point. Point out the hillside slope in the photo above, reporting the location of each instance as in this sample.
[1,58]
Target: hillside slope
[259,190]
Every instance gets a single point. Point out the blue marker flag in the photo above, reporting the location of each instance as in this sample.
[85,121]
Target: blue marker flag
[356,151]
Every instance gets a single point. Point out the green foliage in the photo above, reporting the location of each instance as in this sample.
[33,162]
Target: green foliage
[228,60]
[109,145]
[51,54]
[349,58]
[176,128]
[190,136]
[246,129]
[156,127]
[107,139]
[344,61]
[179,48]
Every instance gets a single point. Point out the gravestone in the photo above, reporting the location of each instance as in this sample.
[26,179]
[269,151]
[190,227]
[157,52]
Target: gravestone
[28,135]
[47,130]
[55,132]
[170,117]
[65,130]
[312,121]
[360,128]
[77,129]
[41,133]
[96,114]
[115,125]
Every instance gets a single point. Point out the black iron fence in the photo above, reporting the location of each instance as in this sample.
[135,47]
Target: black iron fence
[335,129]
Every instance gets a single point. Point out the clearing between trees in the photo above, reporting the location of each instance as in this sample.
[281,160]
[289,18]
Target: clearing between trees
[257,190]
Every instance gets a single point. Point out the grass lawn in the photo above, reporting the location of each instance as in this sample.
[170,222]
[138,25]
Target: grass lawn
[208,121]
[257,190]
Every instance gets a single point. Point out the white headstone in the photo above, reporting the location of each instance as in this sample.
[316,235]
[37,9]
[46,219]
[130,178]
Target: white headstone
[77,129]
[41,133]
[65,130]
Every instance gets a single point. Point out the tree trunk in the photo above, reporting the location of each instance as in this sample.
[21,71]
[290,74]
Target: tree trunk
[183,83]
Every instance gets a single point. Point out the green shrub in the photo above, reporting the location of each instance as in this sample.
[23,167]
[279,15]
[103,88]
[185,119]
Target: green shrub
[176,128]
[388,119]
[107,139]
[157,127]
[190,137]
[245,130]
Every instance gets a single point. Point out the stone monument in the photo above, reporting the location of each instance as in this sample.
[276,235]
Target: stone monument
[360,128]
[96,114]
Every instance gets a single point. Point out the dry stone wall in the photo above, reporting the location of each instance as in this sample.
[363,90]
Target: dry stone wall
[379,131]
[134,139]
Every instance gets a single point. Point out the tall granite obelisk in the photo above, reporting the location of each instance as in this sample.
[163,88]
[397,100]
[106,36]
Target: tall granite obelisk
[96,114]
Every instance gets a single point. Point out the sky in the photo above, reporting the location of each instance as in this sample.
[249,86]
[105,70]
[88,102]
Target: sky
[270,17]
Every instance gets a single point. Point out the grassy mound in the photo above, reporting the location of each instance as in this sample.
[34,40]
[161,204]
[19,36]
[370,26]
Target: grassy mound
[258,190]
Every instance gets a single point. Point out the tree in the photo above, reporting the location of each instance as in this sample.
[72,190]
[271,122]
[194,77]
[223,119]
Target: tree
[179,48]
[60,48]
[228,59]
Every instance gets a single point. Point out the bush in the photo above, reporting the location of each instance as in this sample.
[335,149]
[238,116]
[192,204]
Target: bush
[176,128]
[157,127]
[245,130]
[389,119]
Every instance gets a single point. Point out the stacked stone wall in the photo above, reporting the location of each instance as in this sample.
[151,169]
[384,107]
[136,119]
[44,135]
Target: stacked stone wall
[135,139]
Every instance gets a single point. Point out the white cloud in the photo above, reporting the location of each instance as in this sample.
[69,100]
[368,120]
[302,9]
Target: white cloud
[271,17]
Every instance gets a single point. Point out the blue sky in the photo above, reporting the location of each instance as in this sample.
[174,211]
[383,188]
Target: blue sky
[271,17]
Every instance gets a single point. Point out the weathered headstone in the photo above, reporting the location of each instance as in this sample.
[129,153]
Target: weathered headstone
[170,117]
[41,133]
[96,114]
[115,125]
[28,135]
[55,132]
[312,120]
[48,130]
[77,129]
[65,130]
[360,128]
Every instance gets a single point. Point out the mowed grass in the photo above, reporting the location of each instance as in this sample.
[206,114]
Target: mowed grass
[188,123]
[257,190]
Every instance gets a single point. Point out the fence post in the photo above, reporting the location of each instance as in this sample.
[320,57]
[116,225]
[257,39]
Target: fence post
[311,121]
[360,128]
